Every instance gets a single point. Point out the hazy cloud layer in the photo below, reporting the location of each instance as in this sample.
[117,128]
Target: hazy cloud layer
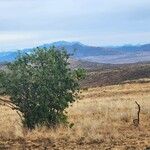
[27,23]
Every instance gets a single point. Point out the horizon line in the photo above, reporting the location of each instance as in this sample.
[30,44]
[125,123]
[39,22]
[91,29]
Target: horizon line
[82,43]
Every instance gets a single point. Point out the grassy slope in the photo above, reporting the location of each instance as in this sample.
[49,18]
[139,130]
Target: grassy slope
[102,120]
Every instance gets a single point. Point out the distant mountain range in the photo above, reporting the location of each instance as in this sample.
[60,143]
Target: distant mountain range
[111,55]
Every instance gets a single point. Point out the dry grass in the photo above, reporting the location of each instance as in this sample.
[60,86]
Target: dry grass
[102,120]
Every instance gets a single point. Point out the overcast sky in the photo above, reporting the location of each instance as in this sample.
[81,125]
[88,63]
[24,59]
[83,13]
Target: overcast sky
[29,23]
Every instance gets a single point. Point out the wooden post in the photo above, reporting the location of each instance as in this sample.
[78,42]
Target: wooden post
[136,121]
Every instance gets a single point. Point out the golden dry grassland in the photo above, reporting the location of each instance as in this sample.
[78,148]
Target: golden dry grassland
[102,118]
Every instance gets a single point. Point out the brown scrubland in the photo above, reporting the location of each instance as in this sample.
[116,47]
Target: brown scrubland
[101,119]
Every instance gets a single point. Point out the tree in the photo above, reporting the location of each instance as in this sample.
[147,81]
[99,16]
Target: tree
[42,86]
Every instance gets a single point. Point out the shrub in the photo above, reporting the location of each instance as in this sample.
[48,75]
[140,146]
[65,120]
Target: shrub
[42,85]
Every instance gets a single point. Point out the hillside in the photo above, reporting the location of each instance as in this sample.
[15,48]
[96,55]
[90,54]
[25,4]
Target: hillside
[108,74]
[78,63]
[116,74]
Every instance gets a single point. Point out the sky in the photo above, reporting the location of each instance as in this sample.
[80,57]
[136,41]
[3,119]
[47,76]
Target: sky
[29,23]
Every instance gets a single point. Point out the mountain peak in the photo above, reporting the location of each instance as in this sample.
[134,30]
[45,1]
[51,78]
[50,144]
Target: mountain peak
[63,43]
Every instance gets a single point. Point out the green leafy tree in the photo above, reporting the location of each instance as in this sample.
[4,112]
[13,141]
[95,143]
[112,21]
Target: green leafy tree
[42,86]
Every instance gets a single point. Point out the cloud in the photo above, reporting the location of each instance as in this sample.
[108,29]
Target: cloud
[26,23]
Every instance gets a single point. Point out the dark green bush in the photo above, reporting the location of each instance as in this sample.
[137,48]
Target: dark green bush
[42,85]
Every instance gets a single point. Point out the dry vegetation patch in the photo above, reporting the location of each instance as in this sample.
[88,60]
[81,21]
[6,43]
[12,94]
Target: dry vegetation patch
[101,119]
